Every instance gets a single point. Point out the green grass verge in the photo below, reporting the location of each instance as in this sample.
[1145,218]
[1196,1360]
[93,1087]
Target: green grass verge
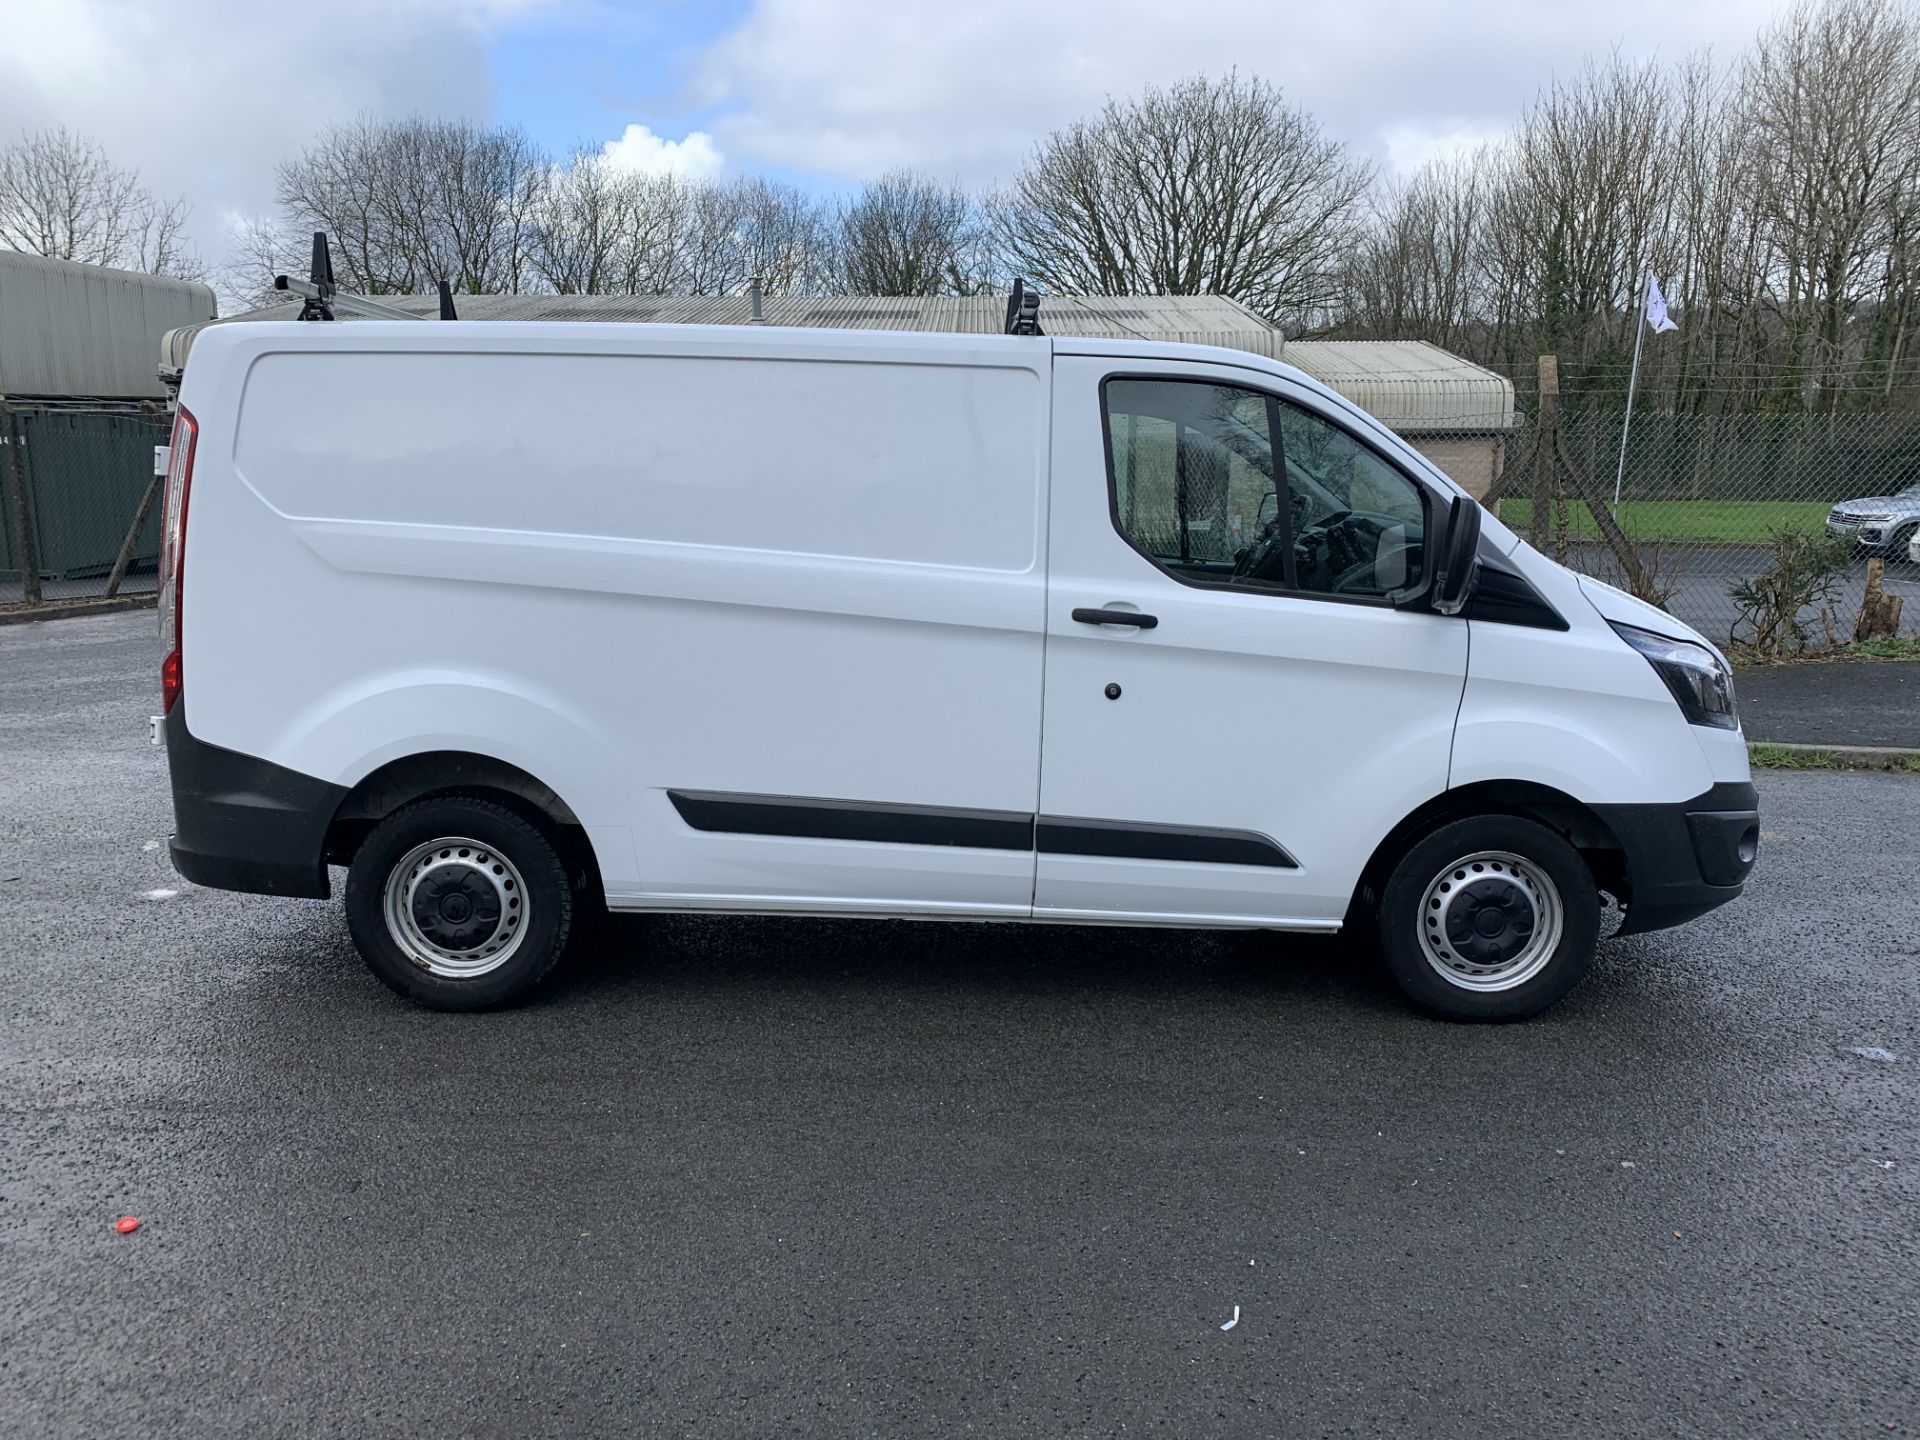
[1700,522]
[1887,647]
[1784,757]
[1902,648]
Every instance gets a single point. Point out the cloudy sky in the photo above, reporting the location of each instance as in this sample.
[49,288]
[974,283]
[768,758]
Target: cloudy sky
[205,95]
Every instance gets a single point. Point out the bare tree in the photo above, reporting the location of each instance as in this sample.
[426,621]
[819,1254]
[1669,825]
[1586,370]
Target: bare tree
[1831,98]
[260,248]
[1212,186]
[905,234]
[1417,274]
[601,230]
[62,197]
[755,226]
[409,203]
[342,184]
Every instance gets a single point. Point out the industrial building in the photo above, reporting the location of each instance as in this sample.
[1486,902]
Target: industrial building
[81,408]
[71,331]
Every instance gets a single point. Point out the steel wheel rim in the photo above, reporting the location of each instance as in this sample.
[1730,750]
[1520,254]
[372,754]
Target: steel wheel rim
[1490,921]
[456,908]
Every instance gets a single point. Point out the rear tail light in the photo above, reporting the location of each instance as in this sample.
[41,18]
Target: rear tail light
[173,554]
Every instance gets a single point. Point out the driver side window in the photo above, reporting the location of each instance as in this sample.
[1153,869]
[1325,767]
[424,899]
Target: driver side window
[1192,468]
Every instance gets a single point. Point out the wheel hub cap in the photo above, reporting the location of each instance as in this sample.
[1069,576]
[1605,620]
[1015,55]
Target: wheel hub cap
[1490,921]
[455,908]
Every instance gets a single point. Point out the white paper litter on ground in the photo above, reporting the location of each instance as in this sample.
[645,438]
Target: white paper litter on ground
[1874,1052]
[161,894]
[1234,1321]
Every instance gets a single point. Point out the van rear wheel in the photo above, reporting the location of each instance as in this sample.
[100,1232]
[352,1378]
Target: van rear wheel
[1491,918]
[458,903]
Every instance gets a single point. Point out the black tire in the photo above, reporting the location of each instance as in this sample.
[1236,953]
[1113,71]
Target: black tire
[1894,552]
[1516,899]
[511,872]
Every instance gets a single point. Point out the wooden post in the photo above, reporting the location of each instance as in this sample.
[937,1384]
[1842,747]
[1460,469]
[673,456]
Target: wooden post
[1879,612]
[1547,458]
[1610,530]
[125,557]
[23,547]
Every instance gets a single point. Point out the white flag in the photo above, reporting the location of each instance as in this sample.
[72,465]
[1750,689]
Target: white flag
[1657,308]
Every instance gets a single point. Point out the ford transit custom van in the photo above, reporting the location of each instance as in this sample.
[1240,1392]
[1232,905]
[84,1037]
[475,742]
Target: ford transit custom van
[515,621]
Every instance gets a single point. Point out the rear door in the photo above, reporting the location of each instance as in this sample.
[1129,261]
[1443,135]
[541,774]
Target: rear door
[1236,713]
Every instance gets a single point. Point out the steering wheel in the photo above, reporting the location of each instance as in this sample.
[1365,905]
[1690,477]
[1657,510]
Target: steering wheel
[1251,562]
[1362,577]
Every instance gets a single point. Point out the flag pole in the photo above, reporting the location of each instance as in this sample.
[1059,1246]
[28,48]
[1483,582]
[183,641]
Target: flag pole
[1633,378]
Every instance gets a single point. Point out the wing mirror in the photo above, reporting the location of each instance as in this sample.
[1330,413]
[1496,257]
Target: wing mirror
[1458,547]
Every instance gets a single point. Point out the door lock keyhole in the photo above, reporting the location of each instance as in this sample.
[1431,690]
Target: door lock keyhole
[1113,691]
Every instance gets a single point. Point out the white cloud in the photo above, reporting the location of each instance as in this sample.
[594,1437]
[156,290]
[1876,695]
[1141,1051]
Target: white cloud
[640,151]
[1406,147]
[854,87]
[205,97]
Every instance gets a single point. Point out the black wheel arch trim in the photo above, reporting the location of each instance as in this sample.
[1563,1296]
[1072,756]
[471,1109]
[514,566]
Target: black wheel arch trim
[1667,862]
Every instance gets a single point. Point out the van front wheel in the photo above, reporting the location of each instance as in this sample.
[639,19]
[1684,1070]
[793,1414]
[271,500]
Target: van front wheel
[1492,918]
[458,903]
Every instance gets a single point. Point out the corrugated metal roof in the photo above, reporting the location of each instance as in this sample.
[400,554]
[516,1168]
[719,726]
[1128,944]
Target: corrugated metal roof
[1410,385]
[71,329]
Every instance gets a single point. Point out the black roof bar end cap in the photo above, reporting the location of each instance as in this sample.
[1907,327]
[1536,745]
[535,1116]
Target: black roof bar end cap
[322,261]
[446,302]
[1023,310]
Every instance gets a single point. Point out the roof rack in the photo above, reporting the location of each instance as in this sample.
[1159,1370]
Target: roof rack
[1023,310]
[321,297]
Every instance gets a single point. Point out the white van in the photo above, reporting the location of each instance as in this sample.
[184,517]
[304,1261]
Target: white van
[516,619]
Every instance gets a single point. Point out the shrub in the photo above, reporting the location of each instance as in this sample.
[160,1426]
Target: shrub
[1804,575]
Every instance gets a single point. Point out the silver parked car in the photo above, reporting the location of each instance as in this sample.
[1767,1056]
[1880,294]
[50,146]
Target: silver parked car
[1886,525]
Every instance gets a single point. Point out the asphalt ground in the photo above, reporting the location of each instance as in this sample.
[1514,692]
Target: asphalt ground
[753,1178]
[1841,702]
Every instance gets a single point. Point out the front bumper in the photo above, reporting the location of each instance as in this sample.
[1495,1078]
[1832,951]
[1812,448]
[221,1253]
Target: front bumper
[242,823]
[1874,535]
[1685,859]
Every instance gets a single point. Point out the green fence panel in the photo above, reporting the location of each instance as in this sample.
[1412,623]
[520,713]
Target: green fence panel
[87,474]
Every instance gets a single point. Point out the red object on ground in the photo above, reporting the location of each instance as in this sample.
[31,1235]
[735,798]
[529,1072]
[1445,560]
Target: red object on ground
[127,1224]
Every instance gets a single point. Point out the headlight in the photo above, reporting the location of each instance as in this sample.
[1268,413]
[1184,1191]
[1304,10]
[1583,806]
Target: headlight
[1698,678]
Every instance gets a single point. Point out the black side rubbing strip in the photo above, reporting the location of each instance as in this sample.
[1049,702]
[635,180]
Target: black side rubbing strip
[802,818]
[807,819]
[1126,840]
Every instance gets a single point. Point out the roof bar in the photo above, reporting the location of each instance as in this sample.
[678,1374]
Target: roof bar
[323,297]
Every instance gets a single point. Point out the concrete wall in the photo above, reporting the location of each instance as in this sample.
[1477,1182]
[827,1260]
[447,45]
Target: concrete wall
[1472,461]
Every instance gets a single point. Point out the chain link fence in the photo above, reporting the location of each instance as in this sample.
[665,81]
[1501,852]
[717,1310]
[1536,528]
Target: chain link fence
[79,499]
[1773,533]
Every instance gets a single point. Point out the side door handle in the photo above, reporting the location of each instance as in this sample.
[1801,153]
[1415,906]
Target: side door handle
[1116,617]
